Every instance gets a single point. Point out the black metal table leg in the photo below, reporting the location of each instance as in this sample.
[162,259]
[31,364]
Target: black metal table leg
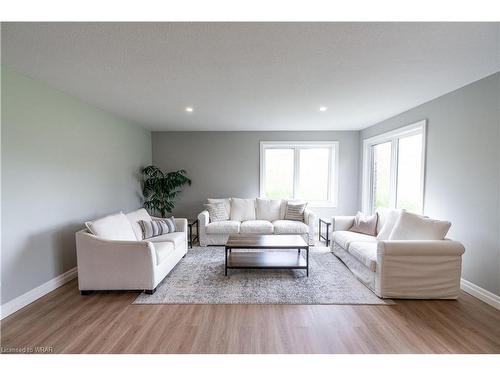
[225,263]
[307,261]
[190,236]
[319,230]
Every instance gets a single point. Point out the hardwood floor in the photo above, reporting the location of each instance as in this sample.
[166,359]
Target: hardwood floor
[109,323]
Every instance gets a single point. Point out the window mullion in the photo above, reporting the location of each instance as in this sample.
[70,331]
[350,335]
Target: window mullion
[394,172]
[296,171]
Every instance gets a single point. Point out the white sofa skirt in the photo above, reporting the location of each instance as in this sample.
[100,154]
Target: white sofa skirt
[362,273]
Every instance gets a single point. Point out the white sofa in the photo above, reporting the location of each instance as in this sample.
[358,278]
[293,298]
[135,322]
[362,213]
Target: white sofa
[260,216]
[120,260]
[413,269]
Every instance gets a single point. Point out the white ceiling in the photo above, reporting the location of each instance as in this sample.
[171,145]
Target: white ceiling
[254,76]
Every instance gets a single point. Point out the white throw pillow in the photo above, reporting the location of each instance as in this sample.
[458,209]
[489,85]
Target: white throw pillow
[415,227]
[242,209]
[268,209]
[112,227]
[226,201]
[389,218]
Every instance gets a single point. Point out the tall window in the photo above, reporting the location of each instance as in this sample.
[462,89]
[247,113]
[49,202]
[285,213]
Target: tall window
[393,169]
[299,170]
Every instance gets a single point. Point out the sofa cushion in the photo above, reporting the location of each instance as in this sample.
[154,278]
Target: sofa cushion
[242,209]
[223,227]
[290,227]
[163,250]
[177,238]
[134,217]
[344,238]
[257,226]
[365,252]
[226,201]
[386,220]
[267,209]
[415,227]
[112,227]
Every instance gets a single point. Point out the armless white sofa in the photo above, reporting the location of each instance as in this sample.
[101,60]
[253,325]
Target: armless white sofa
[119,259]
[413,269]
[253,216]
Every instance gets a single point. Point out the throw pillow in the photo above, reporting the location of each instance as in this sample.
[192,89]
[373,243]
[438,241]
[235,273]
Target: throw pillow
[226,201]
[295,211]
[112,227]
[217,212]
[242,209]
[389,217]
[154,228]
[267,209]
[415,227]
[365,224]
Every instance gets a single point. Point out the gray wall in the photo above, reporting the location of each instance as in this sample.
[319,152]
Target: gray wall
[226,164]
[462,171]
[63,162]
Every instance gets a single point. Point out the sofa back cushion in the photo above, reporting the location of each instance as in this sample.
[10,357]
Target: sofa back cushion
[268,209]
[134,217]
[415,227]
[242,209]
[365,224]
[112,227]
[388,219]
[226,201]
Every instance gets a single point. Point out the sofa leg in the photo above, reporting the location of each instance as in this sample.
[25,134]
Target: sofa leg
[150,291]
[85,292]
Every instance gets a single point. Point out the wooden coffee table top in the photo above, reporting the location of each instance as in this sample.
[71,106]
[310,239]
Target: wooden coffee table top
[266,241]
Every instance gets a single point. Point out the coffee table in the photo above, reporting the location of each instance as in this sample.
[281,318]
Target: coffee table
[265,259]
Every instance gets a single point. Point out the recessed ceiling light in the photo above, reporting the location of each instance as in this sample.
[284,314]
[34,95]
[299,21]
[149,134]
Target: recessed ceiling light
[189,109]
[323,109]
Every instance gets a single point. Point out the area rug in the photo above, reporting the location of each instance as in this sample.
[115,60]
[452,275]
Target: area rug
[199,279]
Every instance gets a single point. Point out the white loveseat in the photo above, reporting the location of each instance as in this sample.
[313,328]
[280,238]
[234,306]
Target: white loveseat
[253,216]
[413,269]
[119,259]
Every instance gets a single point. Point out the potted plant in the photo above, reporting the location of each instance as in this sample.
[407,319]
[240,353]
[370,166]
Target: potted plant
[160,189]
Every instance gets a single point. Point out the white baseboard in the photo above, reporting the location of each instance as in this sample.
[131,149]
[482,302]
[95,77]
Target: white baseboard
[32,295]
[480,293]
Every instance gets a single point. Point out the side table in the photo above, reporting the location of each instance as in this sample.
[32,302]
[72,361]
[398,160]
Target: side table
[321,236]
[192,239]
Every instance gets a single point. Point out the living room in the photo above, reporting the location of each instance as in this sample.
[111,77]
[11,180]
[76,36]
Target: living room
[250,187]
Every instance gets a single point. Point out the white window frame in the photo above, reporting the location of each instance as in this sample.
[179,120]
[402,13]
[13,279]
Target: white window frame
[393,136]
[333,170]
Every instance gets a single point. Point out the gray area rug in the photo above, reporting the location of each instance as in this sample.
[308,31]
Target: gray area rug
[199,279]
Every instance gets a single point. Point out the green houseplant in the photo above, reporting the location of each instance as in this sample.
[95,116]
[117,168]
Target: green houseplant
[160,189]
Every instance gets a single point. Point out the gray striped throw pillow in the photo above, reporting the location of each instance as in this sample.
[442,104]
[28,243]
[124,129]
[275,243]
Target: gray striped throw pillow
[295,211]
[153,228]
[217,211]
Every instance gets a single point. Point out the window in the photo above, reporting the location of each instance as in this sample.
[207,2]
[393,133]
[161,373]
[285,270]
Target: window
[299,170]
[393,169]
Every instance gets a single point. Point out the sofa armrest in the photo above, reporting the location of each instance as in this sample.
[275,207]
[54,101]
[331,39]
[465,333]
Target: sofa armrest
[203,218]
[424,248]
[309,217]
[342,222]
[119,264]
[181,225]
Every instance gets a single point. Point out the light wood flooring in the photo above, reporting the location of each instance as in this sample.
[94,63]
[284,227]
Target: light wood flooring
[109,323]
